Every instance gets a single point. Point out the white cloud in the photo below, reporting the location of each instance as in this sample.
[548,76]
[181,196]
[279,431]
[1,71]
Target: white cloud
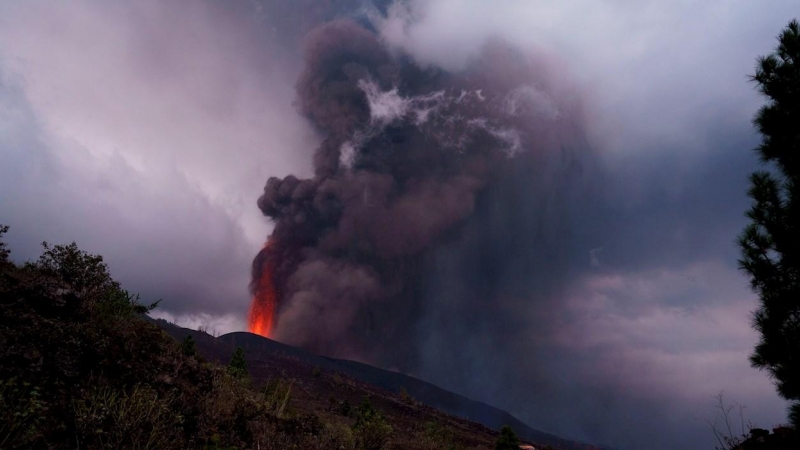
[215,325]
[659,71]
[162,85]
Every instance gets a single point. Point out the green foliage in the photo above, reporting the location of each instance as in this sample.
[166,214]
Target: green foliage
[83,272]
[238,366]
[95,375]
[82,284]
[336,436]
[138,417]
[80,368]
[507,439]
[22,412]
[306,432]
[435,437]
[370,430]
[770,244]
[227,408]
[188,346]
[276,396]
[121,303]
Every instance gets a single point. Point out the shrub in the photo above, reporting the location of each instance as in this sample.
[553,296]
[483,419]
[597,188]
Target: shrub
[22,412]
[371,430]
[405,397]
[238,366]
[276,396]
[140,418]
[434,437]
[336,436]
[79,367]
[507,439]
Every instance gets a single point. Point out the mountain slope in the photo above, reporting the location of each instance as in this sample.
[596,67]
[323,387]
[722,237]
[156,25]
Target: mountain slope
[268,359]
[257,347]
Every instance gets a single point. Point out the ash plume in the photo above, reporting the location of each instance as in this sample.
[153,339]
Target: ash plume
[410,156]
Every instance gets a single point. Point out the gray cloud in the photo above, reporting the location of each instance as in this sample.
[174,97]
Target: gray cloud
[142,130]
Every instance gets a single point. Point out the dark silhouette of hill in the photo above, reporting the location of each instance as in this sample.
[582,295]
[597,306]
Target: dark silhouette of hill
[257,347]
[263,351]
[82,366]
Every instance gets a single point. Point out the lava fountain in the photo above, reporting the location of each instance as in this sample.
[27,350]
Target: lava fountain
[261,317]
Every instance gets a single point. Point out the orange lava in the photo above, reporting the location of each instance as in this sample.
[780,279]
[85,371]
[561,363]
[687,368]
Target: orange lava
[261,316]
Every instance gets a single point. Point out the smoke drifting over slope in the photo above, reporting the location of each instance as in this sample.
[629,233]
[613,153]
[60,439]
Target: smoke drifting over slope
[407,154]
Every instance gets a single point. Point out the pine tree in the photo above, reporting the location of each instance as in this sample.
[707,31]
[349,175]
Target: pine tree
[238,365]
[4,252]
[188,347]
[507,439]
[771,242]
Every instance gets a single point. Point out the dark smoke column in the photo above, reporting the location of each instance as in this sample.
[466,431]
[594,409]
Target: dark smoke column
[406,152]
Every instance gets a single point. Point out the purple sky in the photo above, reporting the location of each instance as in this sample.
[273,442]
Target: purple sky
[145,131]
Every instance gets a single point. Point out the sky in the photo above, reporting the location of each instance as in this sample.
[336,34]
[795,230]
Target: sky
[145,131]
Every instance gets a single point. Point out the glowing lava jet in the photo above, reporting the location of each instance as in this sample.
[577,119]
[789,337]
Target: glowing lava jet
[261,316]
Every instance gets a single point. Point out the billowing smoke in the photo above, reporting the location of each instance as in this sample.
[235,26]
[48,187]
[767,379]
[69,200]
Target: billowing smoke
[413,159]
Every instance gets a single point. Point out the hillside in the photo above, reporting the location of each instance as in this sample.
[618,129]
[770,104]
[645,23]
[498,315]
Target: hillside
[405,398]
[81,366]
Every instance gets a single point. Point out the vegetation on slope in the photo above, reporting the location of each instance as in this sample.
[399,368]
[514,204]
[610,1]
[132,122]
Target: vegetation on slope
[81,369]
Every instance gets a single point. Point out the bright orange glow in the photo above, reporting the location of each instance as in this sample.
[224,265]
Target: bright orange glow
[261,317]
